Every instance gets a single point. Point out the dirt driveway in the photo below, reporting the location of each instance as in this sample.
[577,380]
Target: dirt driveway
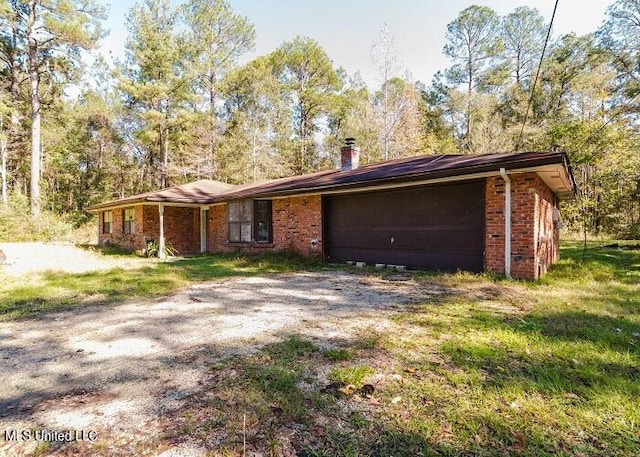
[116,370]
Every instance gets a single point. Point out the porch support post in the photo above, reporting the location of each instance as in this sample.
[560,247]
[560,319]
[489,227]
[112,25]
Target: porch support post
[161,244]
[203,229]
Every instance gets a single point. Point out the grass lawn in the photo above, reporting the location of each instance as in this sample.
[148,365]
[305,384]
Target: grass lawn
[490,367]
[35,294]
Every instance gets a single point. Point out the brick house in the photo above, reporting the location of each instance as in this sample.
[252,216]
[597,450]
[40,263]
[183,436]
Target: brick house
[444,212]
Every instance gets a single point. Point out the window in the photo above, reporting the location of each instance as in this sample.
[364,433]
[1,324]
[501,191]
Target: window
[262,220]
[249,220]
[128,224]
[107,217]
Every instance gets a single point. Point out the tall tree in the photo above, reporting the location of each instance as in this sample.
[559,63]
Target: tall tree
[216,37]
[402,118]
[523,33]
[620,35]
[472,43]
[353,115]
[13,71]
[154,83]
[255,116]
[87,161]
[51,34]
[385,62]
[569,57]
[310,81]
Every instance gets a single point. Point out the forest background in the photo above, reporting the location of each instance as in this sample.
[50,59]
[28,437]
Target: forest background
[183,105]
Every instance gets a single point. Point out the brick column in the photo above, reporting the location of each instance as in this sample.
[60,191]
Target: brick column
[525,214]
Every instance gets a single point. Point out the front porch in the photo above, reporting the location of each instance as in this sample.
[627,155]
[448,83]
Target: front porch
[183,227]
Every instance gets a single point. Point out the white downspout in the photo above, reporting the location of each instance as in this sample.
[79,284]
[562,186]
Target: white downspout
[162,253]
[507,223]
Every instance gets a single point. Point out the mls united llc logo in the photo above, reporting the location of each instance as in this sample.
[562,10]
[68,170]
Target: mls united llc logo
[50,435]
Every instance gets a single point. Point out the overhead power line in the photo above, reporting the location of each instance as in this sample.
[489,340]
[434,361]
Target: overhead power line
[535,80]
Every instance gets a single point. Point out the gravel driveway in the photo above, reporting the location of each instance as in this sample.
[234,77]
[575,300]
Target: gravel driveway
[116,369]
[28,258]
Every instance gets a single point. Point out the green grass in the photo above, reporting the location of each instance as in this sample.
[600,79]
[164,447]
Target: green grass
[490,367]
[544,368]
[337,354]
[35,294]
[354,375]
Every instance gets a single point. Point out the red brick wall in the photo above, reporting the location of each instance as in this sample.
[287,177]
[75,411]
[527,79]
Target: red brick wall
[181,228]
[534,241]
[547,235]
[494,225]
[130,241]
[217,228]
[151,223]
[178,227]
[297,222]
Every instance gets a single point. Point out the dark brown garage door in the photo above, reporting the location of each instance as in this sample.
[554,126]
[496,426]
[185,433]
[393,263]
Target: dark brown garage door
[434,227]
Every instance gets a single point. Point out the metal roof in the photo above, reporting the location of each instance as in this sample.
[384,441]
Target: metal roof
[553,168]
[197,192]
[405,171]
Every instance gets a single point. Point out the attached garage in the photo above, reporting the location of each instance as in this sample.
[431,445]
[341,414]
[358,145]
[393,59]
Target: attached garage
[438,227]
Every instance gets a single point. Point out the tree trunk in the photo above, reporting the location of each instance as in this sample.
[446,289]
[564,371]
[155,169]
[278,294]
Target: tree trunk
[300,163]
[3,149]
[10,141]
[254,153]
[164,158]
[385,117]
[212,120]
[467,133]
[34,79]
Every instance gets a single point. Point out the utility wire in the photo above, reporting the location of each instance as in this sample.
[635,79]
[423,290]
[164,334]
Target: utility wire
[535,81]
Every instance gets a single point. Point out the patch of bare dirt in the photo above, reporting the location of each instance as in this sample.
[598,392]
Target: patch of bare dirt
[118,371]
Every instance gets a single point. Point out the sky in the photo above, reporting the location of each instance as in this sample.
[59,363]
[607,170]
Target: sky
[346,29]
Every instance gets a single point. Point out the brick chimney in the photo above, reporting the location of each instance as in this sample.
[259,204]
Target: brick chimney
[350,155]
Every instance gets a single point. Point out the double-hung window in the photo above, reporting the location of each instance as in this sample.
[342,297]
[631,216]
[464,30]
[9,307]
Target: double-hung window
[239,218]
[128,223]
[249,221]
[107,218]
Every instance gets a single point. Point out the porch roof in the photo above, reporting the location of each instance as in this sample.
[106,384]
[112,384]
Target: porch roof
[193,193]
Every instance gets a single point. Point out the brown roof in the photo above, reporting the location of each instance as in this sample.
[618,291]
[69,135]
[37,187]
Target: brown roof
[198,192]
[553,167]
[401,171]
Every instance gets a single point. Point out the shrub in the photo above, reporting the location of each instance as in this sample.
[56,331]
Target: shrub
[17,224]
[153,249]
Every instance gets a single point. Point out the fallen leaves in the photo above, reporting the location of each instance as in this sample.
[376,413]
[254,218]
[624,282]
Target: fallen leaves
[349,389]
